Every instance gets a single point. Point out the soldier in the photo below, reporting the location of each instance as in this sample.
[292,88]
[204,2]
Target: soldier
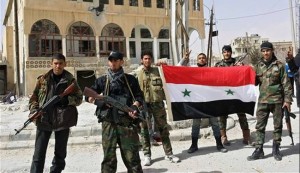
[202,62]
[58,118]
[118,127]
[226,62]
[275,93]
[151,85]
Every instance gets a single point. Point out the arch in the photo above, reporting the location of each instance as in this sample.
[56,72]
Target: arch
[80,40]
[112,38]
[44,39]
[141,39]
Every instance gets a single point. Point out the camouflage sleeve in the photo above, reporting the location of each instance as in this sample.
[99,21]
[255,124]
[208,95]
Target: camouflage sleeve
[34,99]
[75,99]
[287,88]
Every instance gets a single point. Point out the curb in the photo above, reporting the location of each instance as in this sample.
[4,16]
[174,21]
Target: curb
[179,131]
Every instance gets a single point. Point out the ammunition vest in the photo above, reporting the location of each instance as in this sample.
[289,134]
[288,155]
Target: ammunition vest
[151,84]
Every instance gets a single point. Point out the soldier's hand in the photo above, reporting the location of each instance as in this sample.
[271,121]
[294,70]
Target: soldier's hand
[239,64]
[287,105]
[91,99]
[133,114]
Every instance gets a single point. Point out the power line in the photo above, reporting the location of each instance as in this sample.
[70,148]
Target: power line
[254,15]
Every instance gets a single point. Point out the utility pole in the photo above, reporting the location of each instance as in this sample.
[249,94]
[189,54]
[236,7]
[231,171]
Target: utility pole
[292,27]
[209,45]
[17,48]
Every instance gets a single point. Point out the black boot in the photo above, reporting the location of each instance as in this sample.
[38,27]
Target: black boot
[220,146]
[276,153]
[257,154]
[194,146]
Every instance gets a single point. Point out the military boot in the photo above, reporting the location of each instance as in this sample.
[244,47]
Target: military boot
[257,154]
[276,153]
[194,146]
[246,137]
[224,137]
[220,146]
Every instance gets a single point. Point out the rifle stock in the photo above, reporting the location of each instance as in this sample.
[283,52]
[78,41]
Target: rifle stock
[109,100]
[287,116]
[55,99]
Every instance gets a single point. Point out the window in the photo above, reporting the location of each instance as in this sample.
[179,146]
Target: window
[163,33]
[160,4]
[81,41]
[196,5]
[132,49]
[145,33]
[146,45]
[112,38]
[133,3]
[119,2]
[87,0]
[44,39]
[103,1]
[164,50]
[147,3]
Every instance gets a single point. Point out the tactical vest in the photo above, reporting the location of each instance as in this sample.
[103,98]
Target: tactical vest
[151,84]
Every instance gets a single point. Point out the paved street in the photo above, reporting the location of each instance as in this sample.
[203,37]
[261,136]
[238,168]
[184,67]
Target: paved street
[87,158]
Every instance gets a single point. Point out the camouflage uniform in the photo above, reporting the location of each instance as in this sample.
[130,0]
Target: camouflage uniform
[123,131]
[242,116]
[275,88]
[59,118]
[151,84]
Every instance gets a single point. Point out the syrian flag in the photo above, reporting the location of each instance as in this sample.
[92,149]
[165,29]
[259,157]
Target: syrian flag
[209,91]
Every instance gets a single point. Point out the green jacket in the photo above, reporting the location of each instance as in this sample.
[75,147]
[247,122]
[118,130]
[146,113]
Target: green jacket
[274,85]
[59,116]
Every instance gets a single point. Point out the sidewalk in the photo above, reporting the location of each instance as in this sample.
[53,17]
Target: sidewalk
[88,130]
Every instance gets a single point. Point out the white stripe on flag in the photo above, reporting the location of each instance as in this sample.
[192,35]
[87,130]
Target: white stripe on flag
[202,93]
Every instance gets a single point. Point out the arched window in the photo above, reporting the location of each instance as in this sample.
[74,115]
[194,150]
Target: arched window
[163,39]
[81,41]
[44,39]
[112,38]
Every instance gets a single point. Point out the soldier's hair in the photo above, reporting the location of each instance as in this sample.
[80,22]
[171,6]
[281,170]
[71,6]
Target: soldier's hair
[147,52]
[58,56]
[201,54]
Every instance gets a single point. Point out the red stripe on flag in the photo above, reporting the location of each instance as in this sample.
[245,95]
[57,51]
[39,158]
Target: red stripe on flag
[210,76]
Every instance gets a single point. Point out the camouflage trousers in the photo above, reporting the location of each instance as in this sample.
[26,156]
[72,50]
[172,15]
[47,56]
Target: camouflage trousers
[262,115]
[158,111]
[128,140]
[145,138]
[242,120]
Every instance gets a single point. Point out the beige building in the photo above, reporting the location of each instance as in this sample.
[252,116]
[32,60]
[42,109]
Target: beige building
[85,32]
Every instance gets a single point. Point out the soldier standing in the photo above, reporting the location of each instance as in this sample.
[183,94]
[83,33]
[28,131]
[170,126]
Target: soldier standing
[226,62]
[275,93]
[202,62]
[152,87]
[118,127]
[57,119]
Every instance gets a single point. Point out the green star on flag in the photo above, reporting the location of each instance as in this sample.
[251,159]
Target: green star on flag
[186,93]
[229,91]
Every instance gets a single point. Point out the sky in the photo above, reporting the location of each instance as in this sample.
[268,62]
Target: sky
[270,19]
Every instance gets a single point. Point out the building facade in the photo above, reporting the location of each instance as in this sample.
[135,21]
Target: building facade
[85,31]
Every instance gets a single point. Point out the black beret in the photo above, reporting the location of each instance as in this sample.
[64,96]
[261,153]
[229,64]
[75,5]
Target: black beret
[115,55]
[266,45]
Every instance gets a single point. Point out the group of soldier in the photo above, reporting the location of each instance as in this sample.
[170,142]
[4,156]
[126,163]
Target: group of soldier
[144,89]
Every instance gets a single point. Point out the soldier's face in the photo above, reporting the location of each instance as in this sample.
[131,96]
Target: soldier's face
[267,54]
[201,59]
[226,55]
[58,66]
[115,64]
[147,61]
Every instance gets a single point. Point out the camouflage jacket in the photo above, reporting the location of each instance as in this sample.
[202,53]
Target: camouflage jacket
[222,63]
[151,84]
[59,116]
[274,85]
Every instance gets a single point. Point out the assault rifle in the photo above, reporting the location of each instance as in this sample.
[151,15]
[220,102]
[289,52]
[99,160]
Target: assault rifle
[287,116]
[55,99]
[111,101]
[241,59]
